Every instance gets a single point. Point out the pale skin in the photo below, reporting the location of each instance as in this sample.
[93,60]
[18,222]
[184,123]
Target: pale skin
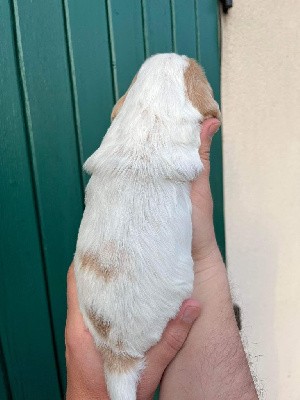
[200,355]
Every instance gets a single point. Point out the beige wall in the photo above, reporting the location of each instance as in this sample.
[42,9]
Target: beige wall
[261,127]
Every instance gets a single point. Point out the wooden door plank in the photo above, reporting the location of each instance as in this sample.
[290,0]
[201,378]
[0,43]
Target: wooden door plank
[126,38]
[158,26]
[24,313]
[5,391]
[89,43]
[185,28]
[53,145]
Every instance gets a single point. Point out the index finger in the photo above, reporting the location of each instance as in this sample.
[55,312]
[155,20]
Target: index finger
[209,128]
[74,313]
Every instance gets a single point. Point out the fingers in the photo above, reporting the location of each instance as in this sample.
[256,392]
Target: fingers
[72,299]
[200,193]
[75,328]
[84,363]
[209,128]
[201,186]
[175,334]
[160,355]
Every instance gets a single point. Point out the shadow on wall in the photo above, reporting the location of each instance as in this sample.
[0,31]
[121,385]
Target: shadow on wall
[259,339]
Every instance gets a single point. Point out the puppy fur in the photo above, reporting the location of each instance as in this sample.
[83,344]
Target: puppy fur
[133,261]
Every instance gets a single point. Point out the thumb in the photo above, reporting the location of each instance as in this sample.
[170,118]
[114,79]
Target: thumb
[160,355]
[208,129]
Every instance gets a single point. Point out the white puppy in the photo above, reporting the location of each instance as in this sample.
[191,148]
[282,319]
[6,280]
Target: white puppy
[133,260]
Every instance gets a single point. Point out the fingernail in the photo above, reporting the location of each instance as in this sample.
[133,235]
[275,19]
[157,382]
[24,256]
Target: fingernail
[190,314]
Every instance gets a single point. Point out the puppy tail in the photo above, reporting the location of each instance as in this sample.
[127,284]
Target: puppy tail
[123,385]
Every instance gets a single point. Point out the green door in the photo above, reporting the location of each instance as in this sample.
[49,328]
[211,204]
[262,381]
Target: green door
[63,64]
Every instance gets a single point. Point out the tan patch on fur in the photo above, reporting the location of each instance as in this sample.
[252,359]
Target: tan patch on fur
[111,260]
[199,91]
[101,326]
[118,363]
[90,263]
[120,102]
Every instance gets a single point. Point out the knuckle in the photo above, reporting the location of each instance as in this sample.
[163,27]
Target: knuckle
[175,340]
[205,155]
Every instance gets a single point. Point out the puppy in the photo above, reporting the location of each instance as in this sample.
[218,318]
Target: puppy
[133,260]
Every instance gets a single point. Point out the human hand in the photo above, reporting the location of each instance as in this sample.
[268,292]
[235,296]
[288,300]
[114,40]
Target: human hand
[212,363]
[85,375]
[204,245]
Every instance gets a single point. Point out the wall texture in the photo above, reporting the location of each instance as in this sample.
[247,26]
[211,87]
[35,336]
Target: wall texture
[261,113]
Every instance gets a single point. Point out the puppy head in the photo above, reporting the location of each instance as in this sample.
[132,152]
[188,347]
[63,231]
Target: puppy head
[159,119]
[196,87]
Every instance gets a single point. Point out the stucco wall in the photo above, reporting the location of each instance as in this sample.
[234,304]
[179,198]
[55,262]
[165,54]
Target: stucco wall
[261,128]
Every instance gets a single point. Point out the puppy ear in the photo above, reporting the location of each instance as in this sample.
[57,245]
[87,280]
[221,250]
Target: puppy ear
[199,91]
[91,163]
[120,102]
[117,107]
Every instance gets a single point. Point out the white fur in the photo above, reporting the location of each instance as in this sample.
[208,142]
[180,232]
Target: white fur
[138,205]
[123,386]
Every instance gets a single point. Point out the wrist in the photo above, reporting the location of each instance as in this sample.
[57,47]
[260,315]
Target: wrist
[212,290]
[206,252]
[211,285]
[210,268]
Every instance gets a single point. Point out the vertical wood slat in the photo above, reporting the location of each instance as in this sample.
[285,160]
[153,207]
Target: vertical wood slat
[24,318]
[74,91]
[184,26]
[54,138]
[158,26]
[197,30]
[5,391]
[112,49]
[3,387]
[92,70]
[32,161]
[126,24]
